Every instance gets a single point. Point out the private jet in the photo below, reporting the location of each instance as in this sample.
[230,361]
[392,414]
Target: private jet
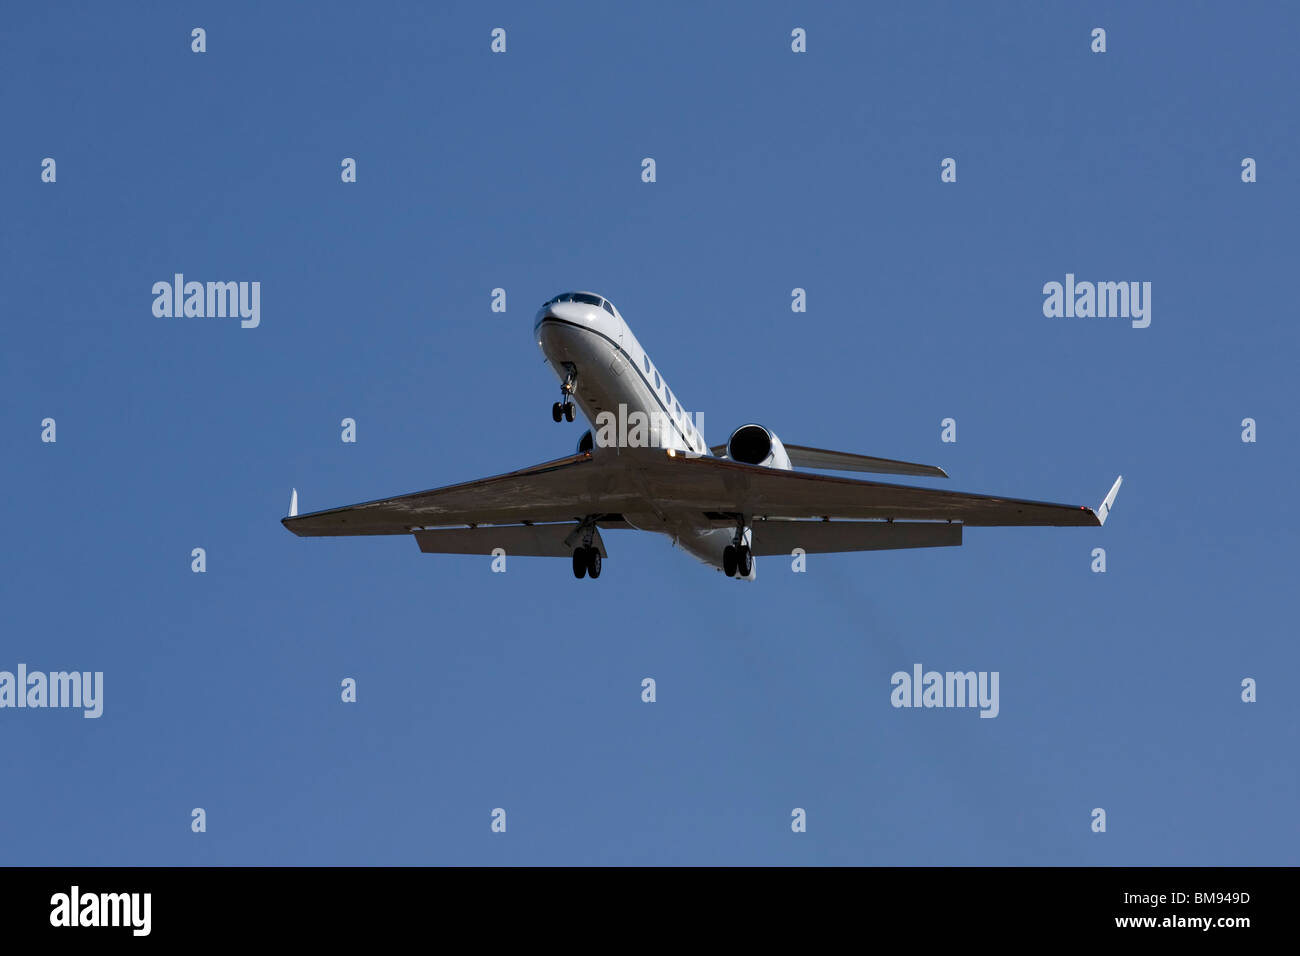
[647,466]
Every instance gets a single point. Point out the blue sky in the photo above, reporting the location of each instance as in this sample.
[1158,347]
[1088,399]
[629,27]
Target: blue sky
[522,171]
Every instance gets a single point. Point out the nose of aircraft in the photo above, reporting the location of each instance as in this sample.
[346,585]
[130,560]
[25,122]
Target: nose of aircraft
[581,309]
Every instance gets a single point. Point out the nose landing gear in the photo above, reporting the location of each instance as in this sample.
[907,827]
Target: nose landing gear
[564,408]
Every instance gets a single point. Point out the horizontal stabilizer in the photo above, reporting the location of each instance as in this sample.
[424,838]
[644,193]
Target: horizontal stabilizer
[801,456]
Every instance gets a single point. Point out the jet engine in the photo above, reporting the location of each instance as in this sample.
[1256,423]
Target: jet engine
[586,443]
[755,445]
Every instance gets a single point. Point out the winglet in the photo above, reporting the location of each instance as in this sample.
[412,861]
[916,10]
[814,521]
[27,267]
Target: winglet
[1104,510]
[293,504]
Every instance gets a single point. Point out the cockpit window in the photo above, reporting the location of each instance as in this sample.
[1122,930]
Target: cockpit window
[583,297]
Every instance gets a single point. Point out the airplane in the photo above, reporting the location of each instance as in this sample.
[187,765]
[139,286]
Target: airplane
[648,467]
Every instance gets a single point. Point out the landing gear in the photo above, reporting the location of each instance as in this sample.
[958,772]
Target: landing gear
[586,556]
[564,409]
[737,561]
[586,560]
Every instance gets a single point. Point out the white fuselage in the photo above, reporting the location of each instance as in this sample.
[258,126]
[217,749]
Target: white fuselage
[616,376]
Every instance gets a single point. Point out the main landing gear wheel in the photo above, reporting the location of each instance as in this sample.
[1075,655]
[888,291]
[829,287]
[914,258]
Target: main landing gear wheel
[737,561]
[557,411]
[569,413]
[586,561]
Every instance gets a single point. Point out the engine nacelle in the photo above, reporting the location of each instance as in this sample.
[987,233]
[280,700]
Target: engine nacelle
[755,445]
[586,443]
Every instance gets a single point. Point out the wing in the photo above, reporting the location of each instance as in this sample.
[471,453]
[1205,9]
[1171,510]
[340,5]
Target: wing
[567,489]
[636,481]
[723,488]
